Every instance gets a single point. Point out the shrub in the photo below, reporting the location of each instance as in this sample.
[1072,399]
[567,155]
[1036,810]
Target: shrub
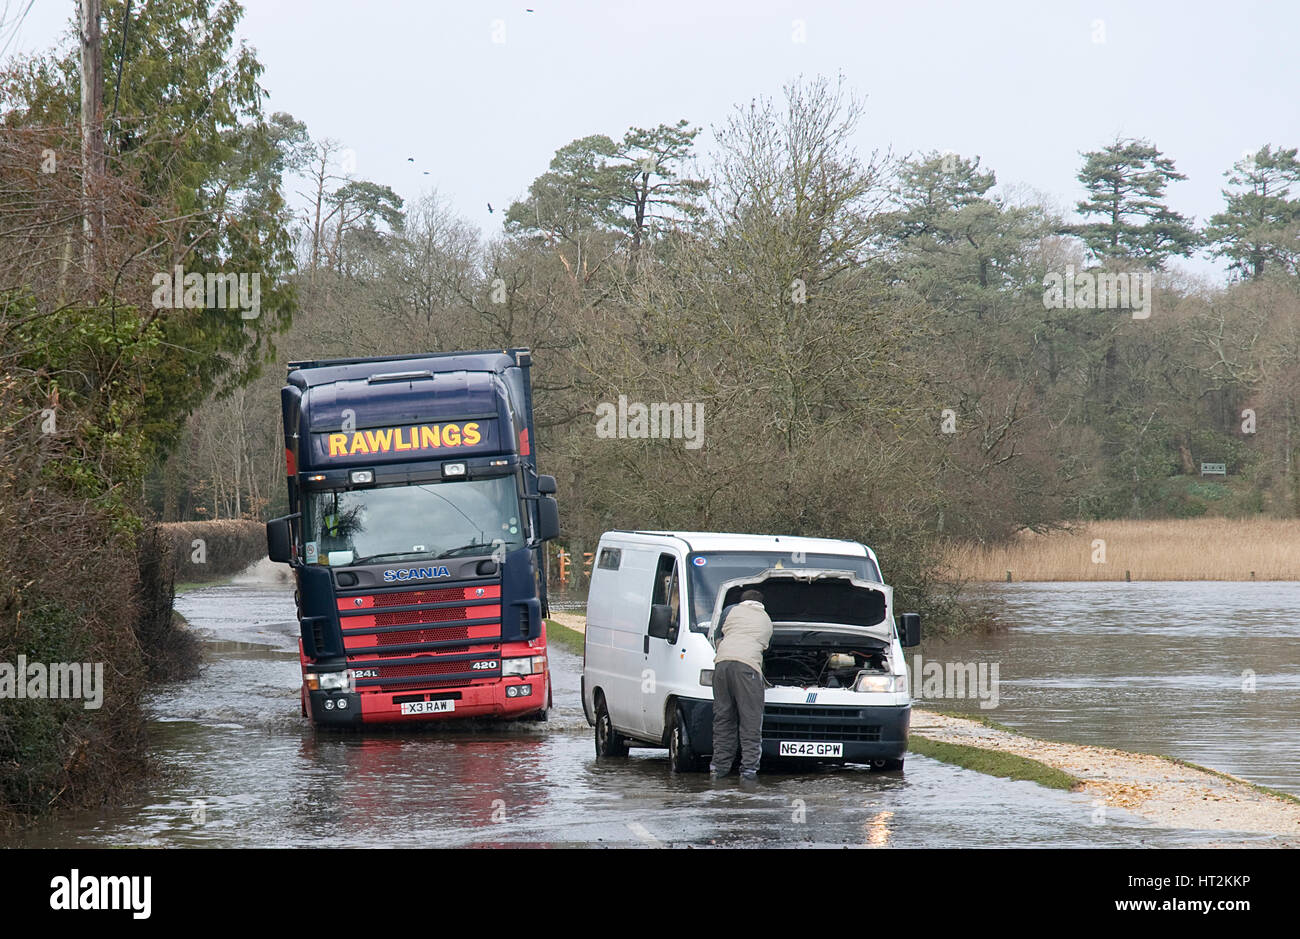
[202,551]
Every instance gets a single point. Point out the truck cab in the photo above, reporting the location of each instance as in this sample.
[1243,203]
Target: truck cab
[416,531]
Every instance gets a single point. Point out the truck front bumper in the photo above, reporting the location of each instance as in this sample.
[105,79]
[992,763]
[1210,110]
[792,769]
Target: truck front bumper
[488,700]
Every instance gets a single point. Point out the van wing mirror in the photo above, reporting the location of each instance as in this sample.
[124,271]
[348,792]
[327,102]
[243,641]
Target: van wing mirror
[548,518]
[279,540]
[909,629]
[661,620]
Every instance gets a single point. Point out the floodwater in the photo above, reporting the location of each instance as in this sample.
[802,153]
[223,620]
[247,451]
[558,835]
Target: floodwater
[1206,671]
[238,765]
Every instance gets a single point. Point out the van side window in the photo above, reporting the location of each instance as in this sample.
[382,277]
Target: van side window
[610,558]
[666,587]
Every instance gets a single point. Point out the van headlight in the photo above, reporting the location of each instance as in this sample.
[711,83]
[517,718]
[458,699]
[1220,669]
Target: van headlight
[876,682]
[527,665]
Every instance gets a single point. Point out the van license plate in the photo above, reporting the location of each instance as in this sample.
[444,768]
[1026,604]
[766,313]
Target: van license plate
[427,707]
[804,748]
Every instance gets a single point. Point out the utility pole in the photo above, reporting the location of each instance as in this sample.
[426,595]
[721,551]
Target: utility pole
[92,128]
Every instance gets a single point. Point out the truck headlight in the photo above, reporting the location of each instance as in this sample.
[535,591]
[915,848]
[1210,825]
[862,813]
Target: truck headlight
[876,682]
[527,665]
[335,681]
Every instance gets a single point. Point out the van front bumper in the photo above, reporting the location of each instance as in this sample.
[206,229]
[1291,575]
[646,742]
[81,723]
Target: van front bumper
[865,733]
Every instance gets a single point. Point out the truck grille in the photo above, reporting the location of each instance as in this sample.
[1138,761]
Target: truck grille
[441,615]
[434,667]
[421,635]
[409,597]
[401,640]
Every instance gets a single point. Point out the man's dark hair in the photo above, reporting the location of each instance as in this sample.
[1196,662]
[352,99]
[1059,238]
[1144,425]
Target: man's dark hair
[751,595]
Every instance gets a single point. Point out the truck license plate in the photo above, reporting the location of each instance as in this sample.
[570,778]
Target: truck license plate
[804,748]
[427,707]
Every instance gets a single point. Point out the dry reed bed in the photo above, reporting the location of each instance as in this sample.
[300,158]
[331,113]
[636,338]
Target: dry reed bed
[1170,549]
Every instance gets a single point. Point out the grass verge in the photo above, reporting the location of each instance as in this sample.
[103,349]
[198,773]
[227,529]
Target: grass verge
[189,585]
[992,762]
[565,637]
[994,725]
[973,718]
[1277,793]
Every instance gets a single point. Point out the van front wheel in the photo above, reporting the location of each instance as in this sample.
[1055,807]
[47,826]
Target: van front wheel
[609,742]
[681,755]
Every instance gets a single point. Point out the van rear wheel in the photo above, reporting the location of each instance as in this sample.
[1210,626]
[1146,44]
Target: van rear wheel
[609,742]
[681,755]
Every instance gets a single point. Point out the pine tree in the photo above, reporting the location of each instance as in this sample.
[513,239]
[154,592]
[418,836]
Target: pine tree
[1126,184]
[1259,228]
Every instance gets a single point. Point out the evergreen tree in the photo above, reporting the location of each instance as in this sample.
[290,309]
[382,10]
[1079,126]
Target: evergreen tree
[1126,184]
[1259,227]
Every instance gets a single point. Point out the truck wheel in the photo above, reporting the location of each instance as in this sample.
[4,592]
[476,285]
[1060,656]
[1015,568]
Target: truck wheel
[609,742]
[681,755]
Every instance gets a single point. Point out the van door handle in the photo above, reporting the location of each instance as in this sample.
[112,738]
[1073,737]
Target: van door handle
[646,649]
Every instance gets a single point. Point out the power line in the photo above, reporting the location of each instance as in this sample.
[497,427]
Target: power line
[13,33]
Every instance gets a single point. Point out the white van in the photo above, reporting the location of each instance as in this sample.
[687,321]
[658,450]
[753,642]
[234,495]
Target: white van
[836,679]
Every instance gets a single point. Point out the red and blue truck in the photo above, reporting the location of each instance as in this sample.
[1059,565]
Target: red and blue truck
[416,532]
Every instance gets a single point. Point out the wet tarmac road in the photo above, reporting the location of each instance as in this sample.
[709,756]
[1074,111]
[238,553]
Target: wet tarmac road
[240,767]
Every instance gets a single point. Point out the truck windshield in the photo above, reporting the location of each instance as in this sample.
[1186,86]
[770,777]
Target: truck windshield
[425,521]
[709,571]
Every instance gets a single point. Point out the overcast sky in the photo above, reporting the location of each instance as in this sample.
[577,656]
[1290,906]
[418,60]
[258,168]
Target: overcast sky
[482,94]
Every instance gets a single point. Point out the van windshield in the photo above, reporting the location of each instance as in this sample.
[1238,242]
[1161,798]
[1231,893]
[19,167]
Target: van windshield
[710,570]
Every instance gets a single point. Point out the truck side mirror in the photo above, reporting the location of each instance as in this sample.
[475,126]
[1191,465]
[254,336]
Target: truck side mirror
[661,620]
[546,485]
[548,518]
[909,629]
[279,541]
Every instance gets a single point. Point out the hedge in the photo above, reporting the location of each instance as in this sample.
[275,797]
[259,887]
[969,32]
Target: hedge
[203,551]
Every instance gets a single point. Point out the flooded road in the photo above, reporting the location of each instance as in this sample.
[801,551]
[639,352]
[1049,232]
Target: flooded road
[1204,671]
[240,767]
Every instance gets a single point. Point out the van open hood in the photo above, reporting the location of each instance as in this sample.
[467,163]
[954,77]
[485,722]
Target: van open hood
[822,601]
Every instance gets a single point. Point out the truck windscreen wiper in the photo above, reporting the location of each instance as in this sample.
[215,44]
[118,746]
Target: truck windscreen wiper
[465,547]
[389,554]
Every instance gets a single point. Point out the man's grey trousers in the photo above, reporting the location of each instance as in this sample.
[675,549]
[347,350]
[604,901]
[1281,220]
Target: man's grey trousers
[737,717]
